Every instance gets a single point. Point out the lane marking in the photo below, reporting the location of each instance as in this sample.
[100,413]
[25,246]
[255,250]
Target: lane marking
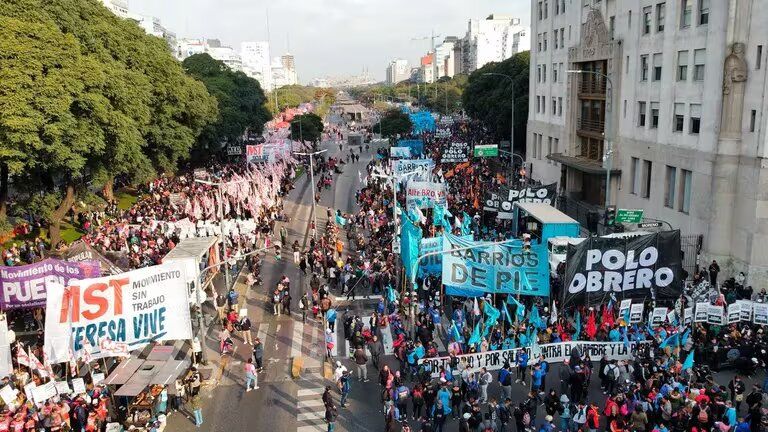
[297,339]
[309,403]
[310,392]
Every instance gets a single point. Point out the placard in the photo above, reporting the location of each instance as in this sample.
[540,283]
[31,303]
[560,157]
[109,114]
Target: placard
[44,392]
[78,386]
[8,394]
[97,378]
[658,315]
[702,310]
[503,200]
[425,194]
[715,315]
[671,317]
[624,307]
[734,313]
[455,152]
[62,388]
[746,309]
[421,169]
[760,313]
[28,389]
[636,313]
[688,315]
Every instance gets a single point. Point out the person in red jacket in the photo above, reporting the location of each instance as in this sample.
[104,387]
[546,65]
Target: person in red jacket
[593,418]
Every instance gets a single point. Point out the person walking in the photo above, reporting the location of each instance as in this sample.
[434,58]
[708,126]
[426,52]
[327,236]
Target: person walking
[331,413]
[296,252]
[258,354]
[197,410]
[714,269]
[376,350]
[251,376]
[283,235]
[361,360]
[304,306]
[344,388]
[485,380]
[245,329]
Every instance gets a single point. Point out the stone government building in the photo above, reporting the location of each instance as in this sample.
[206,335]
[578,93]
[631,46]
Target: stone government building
[683,108]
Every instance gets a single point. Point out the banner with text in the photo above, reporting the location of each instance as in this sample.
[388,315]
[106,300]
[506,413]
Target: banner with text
[637,267]
[455,152]
[25,286]
[400,152]
[502,202]
[507,269]
[433,264]
[422,169]
[552,352]
[424,194]
[112,316]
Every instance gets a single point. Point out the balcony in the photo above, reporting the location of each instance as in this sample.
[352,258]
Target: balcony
[593,87]
[589,125]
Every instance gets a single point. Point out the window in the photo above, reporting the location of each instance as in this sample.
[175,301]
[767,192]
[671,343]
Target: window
[625,108]
[644,68]
[562,37]
[759,57]
[538,104]
[546,8]
[541,139]
[679,120]
[543,73]
[538,41]
[544,40]
[611,26]
[533,150]
[538,9]
[629,19]
[543,105]
[684,200]
[554,72]
[549,146]
[557,148]
[555,38]
[641,114]
[626,66]
[562,6]
[657,67]
[634,176]
[669,187]
[703,12]
[752,118]
[661,15]
[554,106]
[647,11]
[557,7]
[654,115]
[647,171]
[695,124]
[682,65]
[698,64]
[686,11]
[538,73]
[560,106]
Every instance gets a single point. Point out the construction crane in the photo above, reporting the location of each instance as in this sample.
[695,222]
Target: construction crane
[431,40]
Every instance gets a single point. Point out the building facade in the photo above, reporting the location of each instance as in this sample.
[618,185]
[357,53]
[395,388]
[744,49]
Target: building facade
[257,62]
[494,39]
[228,55]
[398,70]
[117,7]
[674,93]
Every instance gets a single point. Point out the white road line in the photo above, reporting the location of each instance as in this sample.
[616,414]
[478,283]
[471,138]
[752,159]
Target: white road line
[313,428]
[309,403]
[297,339]
[262,334]
[317,415]
[310,392]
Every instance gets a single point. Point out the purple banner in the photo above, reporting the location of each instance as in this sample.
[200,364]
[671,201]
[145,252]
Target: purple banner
[24,286]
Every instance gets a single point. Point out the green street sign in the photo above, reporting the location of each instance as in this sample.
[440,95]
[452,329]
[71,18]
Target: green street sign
[629,216]
[486,150]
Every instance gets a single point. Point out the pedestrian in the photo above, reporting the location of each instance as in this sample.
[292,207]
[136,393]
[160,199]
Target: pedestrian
[485,380]
[283,235]
[276,298]
[330,342]
[197,409]
[714,269]
[258,354]
[304,306]
[376,350]
[566,413]
[361,361]
[522,365]
[232,298]
[737,388]
[245,329]
[401,399]
[286,301]
[296,252]
[505,380]
[331,413]
[251,376]
[330,316]
[344,388]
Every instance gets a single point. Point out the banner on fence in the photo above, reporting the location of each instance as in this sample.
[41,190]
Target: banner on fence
[455,152]
[503,200]
[25,286]
[637,267]
[425,194]
[552,352]
[508,269]
[111,316]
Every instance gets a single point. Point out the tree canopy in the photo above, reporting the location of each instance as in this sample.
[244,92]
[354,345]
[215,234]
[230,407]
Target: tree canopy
[308,127]
[241,102]
[294,95]
[86,96]
[488,98]
[393,122]
[444,96]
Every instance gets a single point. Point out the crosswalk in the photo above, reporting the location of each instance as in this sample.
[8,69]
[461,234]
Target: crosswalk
[310,410]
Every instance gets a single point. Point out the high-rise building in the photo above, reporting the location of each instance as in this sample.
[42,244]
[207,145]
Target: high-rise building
[427,68]
[678,126]
[494,39]
[398,70]
[257,62]
[443,53]
[117,7]
[228,55]
[288,63]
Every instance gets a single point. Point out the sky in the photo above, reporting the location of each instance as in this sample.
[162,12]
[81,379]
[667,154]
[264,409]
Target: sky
[329,37]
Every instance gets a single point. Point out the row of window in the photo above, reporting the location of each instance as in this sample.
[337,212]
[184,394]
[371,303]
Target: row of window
[553,145]
[542,8]
[652,65]
[557,105]
[677,188]
[557,73]
[678,121]
[650,25]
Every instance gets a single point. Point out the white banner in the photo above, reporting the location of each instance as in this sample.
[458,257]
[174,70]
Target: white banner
[112,316]
[760,313]
[425,194]
[702,310]
[552,352]
[734,313]
[715,315]
[636,313]
[658,315]
[421,167]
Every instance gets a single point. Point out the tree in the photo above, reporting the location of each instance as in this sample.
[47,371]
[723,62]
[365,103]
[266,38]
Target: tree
[489,98]
[240,98]
[307,127]
[394,122]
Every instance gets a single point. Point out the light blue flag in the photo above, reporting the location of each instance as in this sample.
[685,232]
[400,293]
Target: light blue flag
[506,314]
[688,363]
[577,326]
[340,220]
[624,336]
[475,337]
[491,315]
[391,294]
[535,319]
[410,240]
[455,333]
[685,337]
[438,214]
[672,340]
[520,307]
[466,224]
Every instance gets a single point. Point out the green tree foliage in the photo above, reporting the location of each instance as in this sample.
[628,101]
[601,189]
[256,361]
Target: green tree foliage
[488,98]
[294,95]
[444,96]
[394,122]
[86,96]
[308,127]
[241,102]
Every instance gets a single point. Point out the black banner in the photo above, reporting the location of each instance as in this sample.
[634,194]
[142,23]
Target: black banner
[455,152]
[637,267]
[503,201]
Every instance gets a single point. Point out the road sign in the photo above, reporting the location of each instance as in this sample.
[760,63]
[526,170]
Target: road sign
[486,150]
[649,225]
[630,216]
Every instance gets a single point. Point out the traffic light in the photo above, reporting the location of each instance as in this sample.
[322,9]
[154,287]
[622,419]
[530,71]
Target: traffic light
[610,215]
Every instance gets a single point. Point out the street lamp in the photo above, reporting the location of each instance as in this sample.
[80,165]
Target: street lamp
[608,155]
[312,177]
[512,118]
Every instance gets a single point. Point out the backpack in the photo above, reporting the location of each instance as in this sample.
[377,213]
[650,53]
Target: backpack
[703,416]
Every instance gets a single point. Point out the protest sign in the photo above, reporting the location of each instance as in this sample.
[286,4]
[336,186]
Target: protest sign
[114,315]
[425,194]
[62,388]
[672,317]
[25,286]
[8,395]
[508,269]
[400,152]
[97,378]
[702,309]
[688,316]
[552,352]
[657,316]
[455,152]
[760,313]
[715,315]
[28,390]
[624,307]
[78,386]
[636,313]
[636,267]
[433,264]
[255,153]
[734,313]
[421,169]
[503,200]
[746,309]
[43,392]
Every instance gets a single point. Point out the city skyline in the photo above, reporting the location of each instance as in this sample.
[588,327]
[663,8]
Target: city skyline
[374,43]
